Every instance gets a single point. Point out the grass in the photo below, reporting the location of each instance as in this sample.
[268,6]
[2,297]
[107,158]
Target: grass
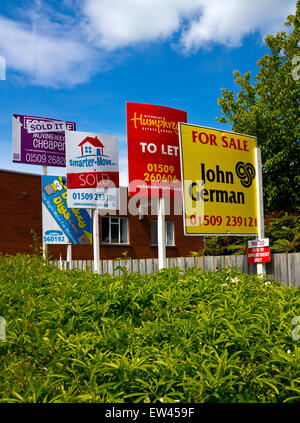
[198,336]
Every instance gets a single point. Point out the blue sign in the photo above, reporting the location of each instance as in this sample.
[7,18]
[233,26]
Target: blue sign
[61,224]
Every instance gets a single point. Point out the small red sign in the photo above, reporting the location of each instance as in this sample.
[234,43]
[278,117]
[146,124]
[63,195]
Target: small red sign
[153,150]
[93,180]
[259,255]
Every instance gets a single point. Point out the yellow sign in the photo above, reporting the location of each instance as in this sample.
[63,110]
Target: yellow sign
[219,181]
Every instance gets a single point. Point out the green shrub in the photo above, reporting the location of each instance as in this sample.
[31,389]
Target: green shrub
[198,336]
[282,229]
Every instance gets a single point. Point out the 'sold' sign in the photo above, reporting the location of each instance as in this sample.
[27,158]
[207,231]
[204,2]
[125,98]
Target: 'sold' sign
[153,150]
[219,181]
[92,170]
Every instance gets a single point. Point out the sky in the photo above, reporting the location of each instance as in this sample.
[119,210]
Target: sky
[82,60]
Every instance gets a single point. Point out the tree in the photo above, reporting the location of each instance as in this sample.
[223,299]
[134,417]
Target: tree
[270,110]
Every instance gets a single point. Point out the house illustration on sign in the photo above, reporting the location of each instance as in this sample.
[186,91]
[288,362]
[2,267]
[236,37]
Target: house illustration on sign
[91,147]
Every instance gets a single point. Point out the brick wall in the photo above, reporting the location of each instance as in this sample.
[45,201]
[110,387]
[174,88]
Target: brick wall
[21,211]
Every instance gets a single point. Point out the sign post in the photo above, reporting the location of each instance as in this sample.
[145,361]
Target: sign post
[63,225]
[219,182]
[261,267]
[222,185]
[161,227]
[45,246]
[69,255]
[96,241]
[39,141]
[153,158]
[92,177]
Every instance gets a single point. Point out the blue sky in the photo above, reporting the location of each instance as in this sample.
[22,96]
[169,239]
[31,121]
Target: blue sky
[83,60]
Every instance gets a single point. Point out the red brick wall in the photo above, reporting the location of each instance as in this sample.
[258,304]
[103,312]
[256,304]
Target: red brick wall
[21,211]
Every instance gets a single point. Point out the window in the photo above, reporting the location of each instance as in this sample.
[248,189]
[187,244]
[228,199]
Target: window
[114,230]
[169,227]
[88,150]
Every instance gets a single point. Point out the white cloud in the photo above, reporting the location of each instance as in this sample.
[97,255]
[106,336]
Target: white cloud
[227,23]
[56,49]
[48,60]
[119,23]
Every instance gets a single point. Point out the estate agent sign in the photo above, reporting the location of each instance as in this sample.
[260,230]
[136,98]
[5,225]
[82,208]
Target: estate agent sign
[219,181]
[92,170]
[40,141]
[153,150]
[61,224]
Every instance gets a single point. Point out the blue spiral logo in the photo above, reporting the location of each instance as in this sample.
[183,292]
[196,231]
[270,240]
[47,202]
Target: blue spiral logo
[246,173]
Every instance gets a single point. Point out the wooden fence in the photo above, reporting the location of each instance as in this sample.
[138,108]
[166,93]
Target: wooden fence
[284,268]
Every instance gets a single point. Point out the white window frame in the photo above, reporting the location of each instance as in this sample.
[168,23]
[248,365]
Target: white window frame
[125,219]
[167,224]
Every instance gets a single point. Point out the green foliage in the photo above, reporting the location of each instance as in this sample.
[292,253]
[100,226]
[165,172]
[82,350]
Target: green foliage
[282,229]
[37,246]
[270,110]
[284,233]
[198,336]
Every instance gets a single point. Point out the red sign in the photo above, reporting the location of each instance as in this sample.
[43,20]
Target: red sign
[93,180]
[259,255]
[153,150]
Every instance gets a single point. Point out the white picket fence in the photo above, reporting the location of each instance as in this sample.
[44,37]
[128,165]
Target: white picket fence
[284,268]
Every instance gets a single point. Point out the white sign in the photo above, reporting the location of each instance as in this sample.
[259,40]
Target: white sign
[62,225]
[92,162]
[258,243]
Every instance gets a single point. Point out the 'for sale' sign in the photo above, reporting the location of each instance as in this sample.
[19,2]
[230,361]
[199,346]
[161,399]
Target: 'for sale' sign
[219,181]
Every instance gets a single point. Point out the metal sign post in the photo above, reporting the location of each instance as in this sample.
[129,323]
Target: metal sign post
[69,255]
[92,162]
[45,246]
[161,234]
[96,246]
[261,267]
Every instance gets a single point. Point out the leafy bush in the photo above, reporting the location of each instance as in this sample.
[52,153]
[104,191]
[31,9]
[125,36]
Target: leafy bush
[198,336]
[282,229]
